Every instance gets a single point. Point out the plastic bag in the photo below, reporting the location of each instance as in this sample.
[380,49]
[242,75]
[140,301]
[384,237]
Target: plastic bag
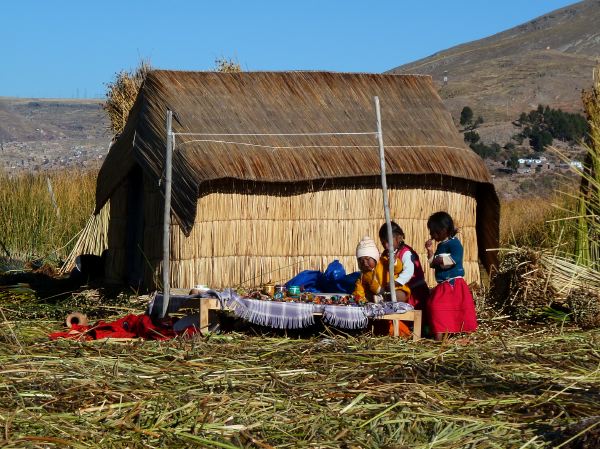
[333,280]
[307,280]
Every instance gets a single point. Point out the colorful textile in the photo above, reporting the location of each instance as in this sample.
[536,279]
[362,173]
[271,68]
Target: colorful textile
[345,317]
[130,326]
[293,315]
[451,308]
[280,315]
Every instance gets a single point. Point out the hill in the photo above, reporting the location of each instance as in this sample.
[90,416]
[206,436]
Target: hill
[545,61]
[38,134]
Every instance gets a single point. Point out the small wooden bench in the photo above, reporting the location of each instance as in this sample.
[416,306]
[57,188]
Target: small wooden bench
[208,305]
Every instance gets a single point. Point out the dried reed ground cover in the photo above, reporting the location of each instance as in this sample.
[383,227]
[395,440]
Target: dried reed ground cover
[509,388]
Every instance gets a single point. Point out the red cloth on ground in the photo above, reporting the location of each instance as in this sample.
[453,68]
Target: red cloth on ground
[130,326]
[451,308]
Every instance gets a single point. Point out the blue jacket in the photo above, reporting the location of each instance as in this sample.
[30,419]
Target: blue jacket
[453,247]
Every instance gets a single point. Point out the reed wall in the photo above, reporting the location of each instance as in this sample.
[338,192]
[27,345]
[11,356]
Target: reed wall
[116,261]
[248,239]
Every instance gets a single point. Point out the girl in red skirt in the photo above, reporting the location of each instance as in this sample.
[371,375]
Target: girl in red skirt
[450,308]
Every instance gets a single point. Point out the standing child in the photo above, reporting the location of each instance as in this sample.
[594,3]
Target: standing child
[410,278]
[450,307]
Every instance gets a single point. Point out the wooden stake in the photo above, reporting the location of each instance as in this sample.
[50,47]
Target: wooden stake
[386,209]
[386,204]
[167,214]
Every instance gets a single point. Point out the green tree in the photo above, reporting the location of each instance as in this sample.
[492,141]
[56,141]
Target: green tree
[513,162]
[466,116]
[471,137]
[540,139]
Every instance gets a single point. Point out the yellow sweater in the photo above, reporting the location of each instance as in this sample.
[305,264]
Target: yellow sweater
[377,281]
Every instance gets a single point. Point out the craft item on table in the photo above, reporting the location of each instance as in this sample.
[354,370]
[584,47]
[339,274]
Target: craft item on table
[198,289]
[76,318]
[375,310]
[259,295]
[268,289]
[279,294]
[293,291]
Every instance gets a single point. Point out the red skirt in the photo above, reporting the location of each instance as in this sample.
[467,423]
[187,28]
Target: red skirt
[451,308]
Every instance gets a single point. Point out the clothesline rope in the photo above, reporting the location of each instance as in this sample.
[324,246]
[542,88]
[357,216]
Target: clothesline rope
[369,133]
[271,147]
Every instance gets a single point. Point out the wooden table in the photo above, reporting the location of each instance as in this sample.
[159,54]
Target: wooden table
[209,305]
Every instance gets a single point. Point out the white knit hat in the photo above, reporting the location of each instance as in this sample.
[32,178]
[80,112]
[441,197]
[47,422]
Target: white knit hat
[367,247]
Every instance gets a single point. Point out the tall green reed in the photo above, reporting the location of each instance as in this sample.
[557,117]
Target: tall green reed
[30,225]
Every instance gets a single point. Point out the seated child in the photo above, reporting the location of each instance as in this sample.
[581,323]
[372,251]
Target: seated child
[410,280]
[373,279]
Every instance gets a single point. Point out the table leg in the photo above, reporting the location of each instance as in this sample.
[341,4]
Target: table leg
[396,328]
[417,325]
[206,305]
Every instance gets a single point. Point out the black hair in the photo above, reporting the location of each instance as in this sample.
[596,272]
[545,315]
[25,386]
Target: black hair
[442,221]
[396,230]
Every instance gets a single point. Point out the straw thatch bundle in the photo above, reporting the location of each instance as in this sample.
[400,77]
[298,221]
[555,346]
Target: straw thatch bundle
[121,94]
[534,285]
[253,208]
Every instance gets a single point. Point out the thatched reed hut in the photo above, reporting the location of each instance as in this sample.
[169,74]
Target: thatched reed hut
[253,208]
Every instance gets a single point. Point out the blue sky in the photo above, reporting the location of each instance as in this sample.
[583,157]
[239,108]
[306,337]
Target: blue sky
[67,48]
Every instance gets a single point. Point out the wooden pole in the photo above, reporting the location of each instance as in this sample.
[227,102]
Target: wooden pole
[386,209]
[167,215]
[386,203]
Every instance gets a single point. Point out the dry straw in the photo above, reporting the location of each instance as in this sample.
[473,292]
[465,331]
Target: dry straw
[540,389]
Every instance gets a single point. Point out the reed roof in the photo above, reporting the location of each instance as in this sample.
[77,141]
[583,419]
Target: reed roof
[420,137]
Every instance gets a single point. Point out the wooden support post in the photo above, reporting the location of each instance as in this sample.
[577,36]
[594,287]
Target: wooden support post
[166,274]
[386,209]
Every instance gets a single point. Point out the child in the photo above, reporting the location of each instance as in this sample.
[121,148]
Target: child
[450,308]
[374,279]
[372,282]
[410,278]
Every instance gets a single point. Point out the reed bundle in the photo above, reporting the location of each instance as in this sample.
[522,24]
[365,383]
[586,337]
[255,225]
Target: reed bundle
[535,284]
[93,238]
[121,94]
[232,391]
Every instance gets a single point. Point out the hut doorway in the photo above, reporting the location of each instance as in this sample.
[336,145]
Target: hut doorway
[135,228]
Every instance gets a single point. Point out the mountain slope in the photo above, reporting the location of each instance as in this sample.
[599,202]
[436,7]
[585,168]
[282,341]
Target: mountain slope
[545,61]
